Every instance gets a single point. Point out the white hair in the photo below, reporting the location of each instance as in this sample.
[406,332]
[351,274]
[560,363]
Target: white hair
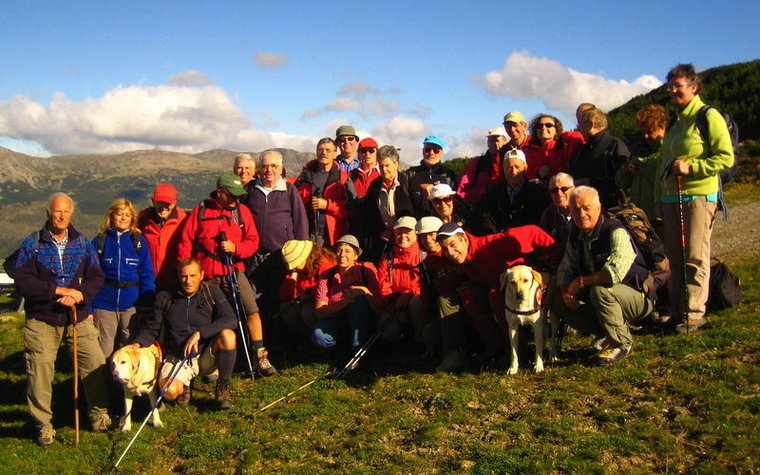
[583,190]
[55,196]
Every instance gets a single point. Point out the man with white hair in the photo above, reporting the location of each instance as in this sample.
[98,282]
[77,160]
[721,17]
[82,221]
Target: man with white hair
[58,275]
[244,167]
[516,201]
[599,280]
[555,219]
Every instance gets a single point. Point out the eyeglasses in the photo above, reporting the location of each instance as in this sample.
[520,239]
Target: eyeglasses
[432,150]
[445,199]
[673,85]
[349,138]
[548,125]
[563,189]
[367,150]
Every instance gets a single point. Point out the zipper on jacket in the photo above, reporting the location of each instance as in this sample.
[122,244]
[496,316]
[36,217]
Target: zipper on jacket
[118,270]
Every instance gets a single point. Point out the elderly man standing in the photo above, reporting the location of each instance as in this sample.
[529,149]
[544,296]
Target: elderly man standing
[221,234]
[245,168]
[484,172]
[596,162]
[598,282]
[58,275]
[429,173]
[280,216]
[348,142]
[516,201]
[161,225]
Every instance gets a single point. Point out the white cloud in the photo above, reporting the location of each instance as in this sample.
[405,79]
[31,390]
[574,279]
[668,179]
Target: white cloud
[360,98]
[266,60]
[189,78]
[340,104]
[173,116]
[405,133]
[559,87]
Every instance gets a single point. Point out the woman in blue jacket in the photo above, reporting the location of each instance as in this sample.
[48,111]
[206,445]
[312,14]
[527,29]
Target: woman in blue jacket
[130,279]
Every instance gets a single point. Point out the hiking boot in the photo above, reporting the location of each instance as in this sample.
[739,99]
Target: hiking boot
[454,361]
[594,349]
[99,419]
[184,398]
[222,396]
[609,356]
[691,326]
[46,435]
[262,364]
[211,378]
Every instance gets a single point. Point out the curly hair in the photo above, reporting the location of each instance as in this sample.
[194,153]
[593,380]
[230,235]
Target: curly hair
[311,267]
[534,129]
[120,204]
[652,116]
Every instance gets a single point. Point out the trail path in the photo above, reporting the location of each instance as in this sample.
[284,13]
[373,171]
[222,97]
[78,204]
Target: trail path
[740,235]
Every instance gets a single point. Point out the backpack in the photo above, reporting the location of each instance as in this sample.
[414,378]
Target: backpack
[725,291]
[728,175]
[9,264]
[646,241]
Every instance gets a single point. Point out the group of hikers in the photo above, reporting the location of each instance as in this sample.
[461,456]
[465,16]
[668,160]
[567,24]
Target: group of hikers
[354,246]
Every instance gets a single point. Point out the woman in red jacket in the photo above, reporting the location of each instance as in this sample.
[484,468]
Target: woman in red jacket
[550,148]
[401,283]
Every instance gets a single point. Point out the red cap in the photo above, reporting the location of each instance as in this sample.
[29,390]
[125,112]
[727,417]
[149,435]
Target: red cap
[165,193]
[367,143]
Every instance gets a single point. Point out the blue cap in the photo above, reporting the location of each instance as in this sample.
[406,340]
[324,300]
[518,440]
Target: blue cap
[435,140]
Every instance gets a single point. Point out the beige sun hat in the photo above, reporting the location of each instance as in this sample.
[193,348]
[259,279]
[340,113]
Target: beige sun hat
[296,252]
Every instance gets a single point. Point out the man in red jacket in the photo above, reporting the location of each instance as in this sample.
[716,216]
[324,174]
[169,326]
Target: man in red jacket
[219,231]
[482,260]
[161,225]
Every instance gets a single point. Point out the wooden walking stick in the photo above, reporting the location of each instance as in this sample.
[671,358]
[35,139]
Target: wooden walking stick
[75,356]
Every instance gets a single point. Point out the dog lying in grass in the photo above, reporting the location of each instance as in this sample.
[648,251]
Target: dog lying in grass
[523,293]
[136,369]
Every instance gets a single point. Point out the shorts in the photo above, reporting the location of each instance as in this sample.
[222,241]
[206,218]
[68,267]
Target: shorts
[202,365]
[244,291]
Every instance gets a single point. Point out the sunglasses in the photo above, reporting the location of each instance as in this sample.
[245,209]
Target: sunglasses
[347,139]
[367,150]
[431,150]
[546,125]
[445,199]
[563,189]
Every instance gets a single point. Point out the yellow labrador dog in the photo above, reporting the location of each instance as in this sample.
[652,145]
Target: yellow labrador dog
[523,293]
[137,371]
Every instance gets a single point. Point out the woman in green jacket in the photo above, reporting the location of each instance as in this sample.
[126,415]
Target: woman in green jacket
[688,155]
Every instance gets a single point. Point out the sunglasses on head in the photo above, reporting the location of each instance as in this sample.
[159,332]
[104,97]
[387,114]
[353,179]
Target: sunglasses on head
[563,189]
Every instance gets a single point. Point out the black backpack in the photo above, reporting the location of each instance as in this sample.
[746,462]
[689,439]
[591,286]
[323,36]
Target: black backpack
[725,290]
[728,175]
[646,241]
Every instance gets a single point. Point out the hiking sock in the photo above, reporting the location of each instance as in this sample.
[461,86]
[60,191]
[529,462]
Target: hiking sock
[258,344]
[225,361]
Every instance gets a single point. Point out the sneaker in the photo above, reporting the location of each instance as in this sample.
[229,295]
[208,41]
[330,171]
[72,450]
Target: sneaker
[595,348]
[184,398]
[691,326]
[46,435]
[453,362]
[222,396]
[609,356]
[263,366]
[99,419]
[211,378]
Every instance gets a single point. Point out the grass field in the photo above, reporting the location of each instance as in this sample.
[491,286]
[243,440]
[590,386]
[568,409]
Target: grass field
[678,404]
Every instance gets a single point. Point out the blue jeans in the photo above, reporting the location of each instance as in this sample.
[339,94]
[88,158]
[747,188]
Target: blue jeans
[326,330]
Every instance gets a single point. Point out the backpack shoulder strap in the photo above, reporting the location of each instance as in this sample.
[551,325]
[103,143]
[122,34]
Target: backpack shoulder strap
[101,244]
[701,124]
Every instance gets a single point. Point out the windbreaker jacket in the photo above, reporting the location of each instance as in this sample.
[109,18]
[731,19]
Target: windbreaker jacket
[279,215]
[557,154]
[130,281]
[163,243]
[303,283]
[707,160]
[423,174]
[598,161]
[201,236]
[399,272]
[39,271]
[181,316]
[481,174]
[339,193]
[362,180]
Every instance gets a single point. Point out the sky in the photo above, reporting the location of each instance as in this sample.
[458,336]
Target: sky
[99,77]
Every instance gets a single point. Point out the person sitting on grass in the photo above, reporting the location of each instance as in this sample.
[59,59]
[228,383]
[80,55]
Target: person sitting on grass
[198,323]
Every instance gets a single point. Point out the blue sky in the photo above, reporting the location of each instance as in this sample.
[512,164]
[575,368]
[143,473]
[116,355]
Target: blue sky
[106,77]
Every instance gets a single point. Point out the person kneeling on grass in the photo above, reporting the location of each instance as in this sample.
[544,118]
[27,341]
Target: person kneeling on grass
[599,280]
[346,296]
[198,321]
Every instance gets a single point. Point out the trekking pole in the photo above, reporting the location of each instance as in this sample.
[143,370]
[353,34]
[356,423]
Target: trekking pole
[682,222]
[354,361]
[172,377]
[299,388]
[75,357]
[236,306]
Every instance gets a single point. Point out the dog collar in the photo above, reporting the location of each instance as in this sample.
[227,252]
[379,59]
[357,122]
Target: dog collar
[539,299]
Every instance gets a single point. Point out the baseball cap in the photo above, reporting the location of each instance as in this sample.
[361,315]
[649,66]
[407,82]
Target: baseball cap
[516,153]
[514,116]
[367,143]
[441,190]
[407,222]
[449,229]
[428,224]
[231,183]
[351,240]
[497,132]
[434,140]
[165,193]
